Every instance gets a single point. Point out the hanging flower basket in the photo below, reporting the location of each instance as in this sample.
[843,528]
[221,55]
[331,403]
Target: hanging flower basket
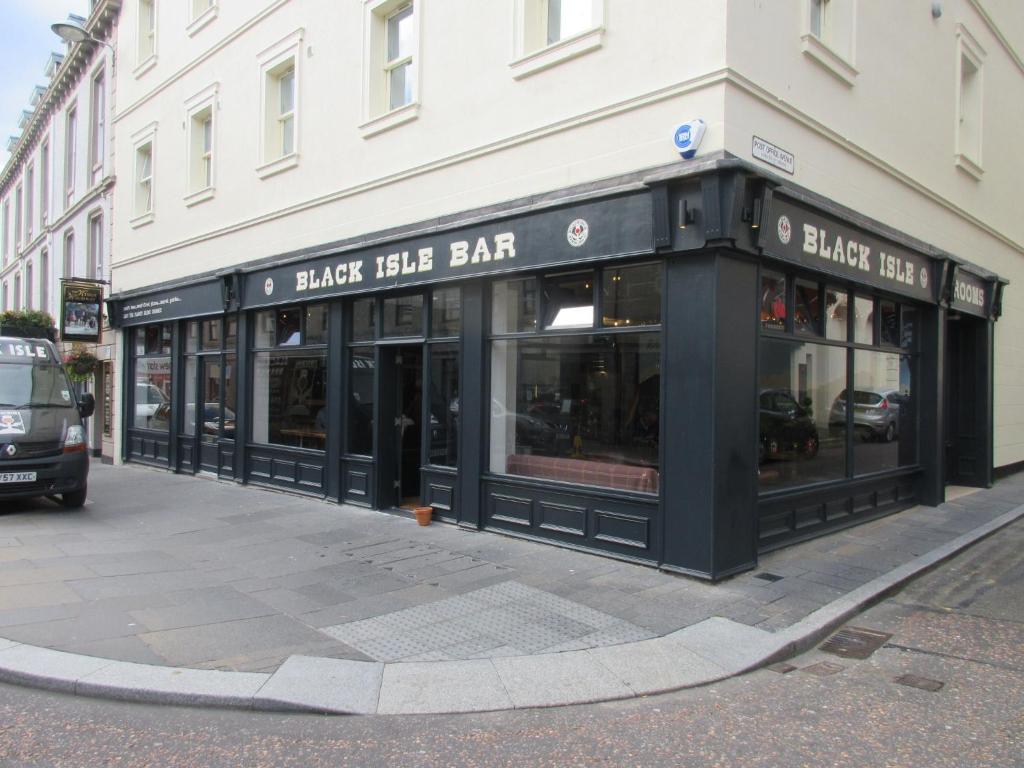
[80,365]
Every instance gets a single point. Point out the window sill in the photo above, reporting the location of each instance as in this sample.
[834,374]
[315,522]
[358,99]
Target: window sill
[280,165]
[390,120]
[202,20]
[200,196]
[835,64]
[968,166]
[142,220]
[556,53]
[144,66]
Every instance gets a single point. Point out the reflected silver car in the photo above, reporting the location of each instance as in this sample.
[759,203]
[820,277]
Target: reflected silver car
[876,413]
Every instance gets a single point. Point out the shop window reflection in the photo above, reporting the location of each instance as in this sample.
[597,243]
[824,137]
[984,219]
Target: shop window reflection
[807,315]
[360,413]
[773,301]
[836,313]
[289,398]
[578,409]
[884,412]
[569,301]
[797,443]
[631,296]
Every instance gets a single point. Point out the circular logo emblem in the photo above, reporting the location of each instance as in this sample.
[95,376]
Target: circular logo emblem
[10,450]
[268,287]
[785,230]
[924,277]
[577,233]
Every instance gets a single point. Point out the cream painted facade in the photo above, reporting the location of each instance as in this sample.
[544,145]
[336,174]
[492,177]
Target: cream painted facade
[63,164]
[870,115]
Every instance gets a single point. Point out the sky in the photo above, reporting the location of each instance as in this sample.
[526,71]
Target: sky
[25,44]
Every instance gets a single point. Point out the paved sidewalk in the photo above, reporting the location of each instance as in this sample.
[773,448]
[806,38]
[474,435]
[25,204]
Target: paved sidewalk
[178,589]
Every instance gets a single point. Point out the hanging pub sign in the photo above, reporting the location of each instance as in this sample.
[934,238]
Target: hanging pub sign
[806,236]
[80,317]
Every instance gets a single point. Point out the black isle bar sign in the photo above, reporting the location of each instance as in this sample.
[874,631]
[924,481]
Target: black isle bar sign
[803,235]
[604,229]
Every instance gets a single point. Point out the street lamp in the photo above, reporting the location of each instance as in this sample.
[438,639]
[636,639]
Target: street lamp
[73,33]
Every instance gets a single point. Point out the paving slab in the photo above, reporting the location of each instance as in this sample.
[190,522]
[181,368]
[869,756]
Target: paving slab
[142,682]
[733,646]
[307,683]
[656,666]
[554,679]
[44,668]
[452,686]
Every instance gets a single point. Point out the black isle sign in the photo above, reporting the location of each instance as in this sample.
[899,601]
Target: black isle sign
[800,234]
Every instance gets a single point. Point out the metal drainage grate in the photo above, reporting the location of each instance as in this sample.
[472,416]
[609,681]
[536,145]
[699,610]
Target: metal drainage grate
[924,683]
[855,642]
[768,577]
[824,669]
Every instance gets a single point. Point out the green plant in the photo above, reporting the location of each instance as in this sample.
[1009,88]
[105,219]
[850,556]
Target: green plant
[24,320]
[80,364]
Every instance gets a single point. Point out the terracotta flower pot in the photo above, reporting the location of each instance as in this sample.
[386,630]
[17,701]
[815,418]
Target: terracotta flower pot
[423,515]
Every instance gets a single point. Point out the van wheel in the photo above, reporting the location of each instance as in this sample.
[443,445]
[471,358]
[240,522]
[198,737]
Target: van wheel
[73,499]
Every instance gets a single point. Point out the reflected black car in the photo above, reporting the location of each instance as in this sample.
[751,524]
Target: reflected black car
[787,429]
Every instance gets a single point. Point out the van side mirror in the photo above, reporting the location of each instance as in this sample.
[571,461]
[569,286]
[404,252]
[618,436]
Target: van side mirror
[86,405]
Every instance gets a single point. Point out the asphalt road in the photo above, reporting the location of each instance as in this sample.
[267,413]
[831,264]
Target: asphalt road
[961,626]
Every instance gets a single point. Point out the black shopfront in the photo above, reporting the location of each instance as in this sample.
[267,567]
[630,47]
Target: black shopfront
[683,370]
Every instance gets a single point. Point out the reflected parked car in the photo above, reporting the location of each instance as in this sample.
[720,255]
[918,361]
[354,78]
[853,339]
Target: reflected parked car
[152,408]
[536,434]
[876,413]
[787,429]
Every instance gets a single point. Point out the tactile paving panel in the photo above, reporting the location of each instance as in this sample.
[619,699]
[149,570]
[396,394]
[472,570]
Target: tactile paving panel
[507,619]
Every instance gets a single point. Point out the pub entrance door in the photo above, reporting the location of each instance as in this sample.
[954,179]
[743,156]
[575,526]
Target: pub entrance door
[401,425]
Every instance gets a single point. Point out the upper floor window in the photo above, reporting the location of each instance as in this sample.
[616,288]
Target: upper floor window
[200,109]
[968,130]
[146,50]
[69,254]
[144,143]
[392,40]
[70,137]
[95,267]
[44,280]
[30,180]
[96,128]
[201,13]
[28,285]
[144,178]
[551,31]
[5,233]
[401,75]
[17,218]
[280,127]
[44,182]
[202,150]
[829,36]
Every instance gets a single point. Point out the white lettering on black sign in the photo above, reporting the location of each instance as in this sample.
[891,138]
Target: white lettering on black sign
[151,308]
[969,294]
[24,350]
[403,263]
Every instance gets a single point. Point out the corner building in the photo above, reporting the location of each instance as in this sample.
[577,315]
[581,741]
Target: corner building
[395,254]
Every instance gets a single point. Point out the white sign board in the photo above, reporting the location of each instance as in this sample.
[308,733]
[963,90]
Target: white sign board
[774,156]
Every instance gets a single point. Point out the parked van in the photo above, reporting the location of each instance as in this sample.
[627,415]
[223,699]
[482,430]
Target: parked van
[43,448]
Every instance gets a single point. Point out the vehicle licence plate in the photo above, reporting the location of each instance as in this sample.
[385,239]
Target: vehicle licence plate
[17,477]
